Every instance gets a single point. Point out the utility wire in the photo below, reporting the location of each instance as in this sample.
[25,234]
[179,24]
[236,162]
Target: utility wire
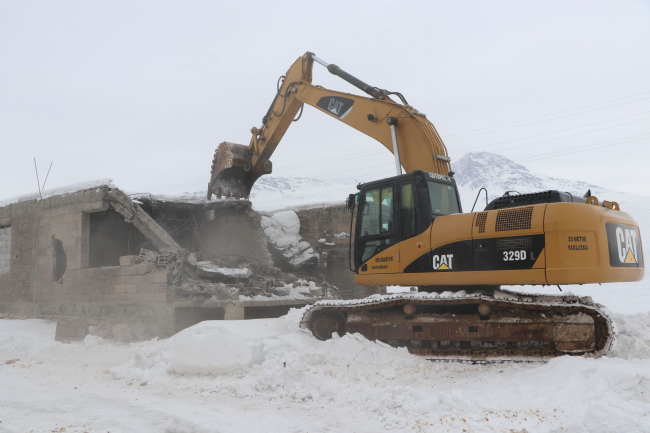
[560,130]
[578,151]
[546,115]
[541,121]
[566,136]
[367,154]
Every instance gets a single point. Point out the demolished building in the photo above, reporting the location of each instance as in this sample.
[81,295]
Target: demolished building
[139,266]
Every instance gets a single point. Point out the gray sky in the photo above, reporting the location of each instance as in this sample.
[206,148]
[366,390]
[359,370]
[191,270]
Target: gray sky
[143,92]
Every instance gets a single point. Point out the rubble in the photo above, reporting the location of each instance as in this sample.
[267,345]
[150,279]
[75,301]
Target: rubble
[283,232]
[131,267]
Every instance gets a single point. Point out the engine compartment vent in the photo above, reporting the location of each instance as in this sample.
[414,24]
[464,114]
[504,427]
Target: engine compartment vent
[480,221]
[520,243]
[552,196]
[514,219]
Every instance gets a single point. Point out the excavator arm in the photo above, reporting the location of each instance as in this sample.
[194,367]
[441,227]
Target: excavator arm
[399,127]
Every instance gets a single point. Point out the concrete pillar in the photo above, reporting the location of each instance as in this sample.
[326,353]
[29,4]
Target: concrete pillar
[234,312]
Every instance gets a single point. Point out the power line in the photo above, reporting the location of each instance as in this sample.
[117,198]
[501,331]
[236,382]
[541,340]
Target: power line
[541,156]
[541,121]
[524,159]
[391,163]
[546,115]
[560,130]
[587,145]
[567,136]
[365,154]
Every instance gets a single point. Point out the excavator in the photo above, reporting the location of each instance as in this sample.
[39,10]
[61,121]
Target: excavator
[410,230]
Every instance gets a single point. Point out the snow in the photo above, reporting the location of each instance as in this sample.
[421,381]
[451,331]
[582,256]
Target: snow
[269,375]
[63,190]
[283,231]
[194,350]
[230,272]
[274,193]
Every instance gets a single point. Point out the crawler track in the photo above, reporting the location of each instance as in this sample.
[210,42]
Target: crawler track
[498,326]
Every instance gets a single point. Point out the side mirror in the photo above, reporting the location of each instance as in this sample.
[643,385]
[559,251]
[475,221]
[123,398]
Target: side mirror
[349,203]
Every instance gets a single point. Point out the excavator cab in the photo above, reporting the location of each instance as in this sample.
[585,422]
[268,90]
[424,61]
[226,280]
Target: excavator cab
[395,209]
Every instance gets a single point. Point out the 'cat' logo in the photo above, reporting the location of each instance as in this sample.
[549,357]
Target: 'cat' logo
[336,105]
[442,262]
[624,246]
[626,243]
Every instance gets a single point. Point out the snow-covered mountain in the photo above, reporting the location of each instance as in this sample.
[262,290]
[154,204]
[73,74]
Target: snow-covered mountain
[272,193]
[473,171]
[499,174]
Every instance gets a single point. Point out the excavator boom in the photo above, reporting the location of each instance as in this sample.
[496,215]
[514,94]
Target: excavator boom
[235,167]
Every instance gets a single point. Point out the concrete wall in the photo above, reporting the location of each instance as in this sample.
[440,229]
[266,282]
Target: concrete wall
[5,249]
[37,227]
[235,232]
[324,223]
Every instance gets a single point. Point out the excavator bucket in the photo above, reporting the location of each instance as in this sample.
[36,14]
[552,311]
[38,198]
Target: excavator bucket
[232,174]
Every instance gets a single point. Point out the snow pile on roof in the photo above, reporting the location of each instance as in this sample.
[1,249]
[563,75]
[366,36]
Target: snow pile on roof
[283,231]
[63,190]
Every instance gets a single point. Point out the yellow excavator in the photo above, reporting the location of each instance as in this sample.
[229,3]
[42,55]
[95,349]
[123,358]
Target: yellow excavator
[410,231]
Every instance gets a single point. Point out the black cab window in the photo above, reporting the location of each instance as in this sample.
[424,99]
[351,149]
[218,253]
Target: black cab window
[443,198]
[407,211]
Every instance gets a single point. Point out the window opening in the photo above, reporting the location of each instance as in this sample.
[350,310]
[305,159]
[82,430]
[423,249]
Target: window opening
[443,199]
[112,237]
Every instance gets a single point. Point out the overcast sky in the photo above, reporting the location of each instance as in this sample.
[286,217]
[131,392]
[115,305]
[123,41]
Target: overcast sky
[143,91]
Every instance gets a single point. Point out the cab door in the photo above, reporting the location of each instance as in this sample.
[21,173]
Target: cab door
[376,246]
[414,242]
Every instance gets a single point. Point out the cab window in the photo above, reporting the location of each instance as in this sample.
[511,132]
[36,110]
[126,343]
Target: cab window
[443,198]
[377,222]
[407,211]
[377,212]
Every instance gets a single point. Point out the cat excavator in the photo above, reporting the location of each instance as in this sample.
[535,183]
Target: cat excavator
[410,230]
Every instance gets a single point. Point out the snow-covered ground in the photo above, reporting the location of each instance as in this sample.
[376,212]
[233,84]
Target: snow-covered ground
[268,376]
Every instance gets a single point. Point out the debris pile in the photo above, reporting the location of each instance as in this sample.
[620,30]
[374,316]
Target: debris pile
[283,232]
[201,250]
[209,279]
